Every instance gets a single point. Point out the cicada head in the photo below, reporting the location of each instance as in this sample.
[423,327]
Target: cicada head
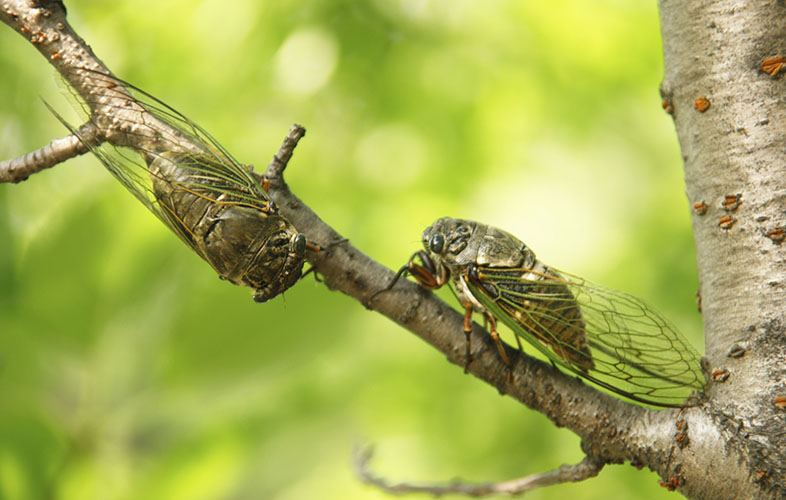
[457,243]
[281,260]
[448,241]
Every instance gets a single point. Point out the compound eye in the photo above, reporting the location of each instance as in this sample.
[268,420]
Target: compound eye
[437,243]
[299,244]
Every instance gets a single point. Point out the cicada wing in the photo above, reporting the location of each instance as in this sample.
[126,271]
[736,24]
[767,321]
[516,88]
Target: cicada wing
[617,341]
[127,166]
[164,154]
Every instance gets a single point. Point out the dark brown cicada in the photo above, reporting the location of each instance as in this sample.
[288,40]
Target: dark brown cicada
[216,205]
[608,337]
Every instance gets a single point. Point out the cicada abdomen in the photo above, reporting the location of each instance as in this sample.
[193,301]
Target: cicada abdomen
[608,337]
[211,201]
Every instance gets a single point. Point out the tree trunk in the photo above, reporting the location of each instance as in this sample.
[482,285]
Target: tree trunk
[730,121]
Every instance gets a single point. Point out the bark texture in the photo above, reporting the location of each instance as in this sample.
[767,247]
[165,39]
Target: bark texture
[730,119]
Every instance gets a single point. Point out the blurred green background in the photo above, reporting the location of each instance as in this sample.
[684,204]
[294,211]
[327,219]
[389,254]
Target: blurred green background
[128,370]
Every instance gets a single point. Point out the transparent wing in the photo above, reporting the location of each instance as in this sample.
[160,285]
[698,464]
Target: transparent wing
[603,335]
[163,157]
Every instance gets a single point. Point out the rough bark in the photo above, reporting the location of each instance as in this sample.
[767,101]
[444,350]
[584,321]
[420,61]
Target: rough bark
[734,166]
[730,446]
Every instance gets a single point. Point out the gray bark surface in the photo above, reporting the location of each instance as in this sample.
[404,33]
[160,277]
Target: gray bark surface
[735,164]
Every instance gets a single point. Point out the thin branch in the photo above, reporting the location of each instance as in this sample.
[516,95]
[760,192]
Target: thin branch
[284,153]
[587,468]
[57,151]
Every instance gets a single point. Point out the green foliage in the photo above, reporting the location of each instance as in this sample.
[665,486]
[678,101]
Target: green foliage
[129,371]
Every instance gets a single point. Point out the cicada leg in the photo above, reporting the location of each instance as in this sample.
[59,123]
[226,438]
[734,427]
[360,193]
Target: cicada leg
[316,248]
[490,323]
[518,342]
[467,333]
[429,275]
[263,181]
[495,337]
[425,276]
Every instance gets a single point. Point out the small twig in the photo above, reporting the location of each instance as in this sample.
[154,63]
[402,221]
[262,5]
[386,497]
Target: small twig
[279,162]
[587,468]
[57,151]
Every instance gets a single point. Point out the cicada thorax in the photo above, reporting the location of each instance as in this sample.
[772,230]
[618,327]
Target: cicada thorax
[541,305]
[235,228]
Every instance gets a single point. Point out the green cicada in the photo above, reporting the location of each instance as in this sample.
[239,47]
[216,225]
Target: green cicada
[608,337]
[216,205]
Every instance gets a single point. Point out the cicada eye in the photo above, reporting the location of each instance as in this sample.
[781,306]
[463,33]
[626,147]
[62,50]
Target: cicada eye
[437,243]
[299,244]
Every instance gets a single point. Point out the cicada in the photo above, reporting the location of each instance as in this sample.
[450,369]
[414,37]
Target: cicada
[219,207]
[603,335]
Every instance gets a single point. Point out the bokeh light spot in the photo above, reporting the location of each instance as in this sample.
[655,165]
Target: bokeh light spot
[306,61]
[391,154]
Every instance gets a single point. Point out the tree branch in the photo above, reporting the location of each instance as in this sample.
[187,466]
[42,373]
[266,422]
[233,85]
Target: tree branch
[284,153]
[113,110]
[57,151]
[587,468]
